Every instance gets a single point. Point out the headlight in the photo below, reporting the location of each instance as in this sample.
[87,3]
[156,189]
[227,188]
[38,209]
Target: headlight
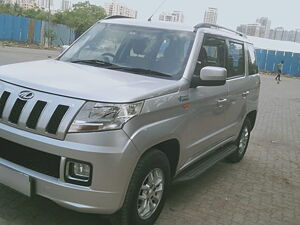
[102,116]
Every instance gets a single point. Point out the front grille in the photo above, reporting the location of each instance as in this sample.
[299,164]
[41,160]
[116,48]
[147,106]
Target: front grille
[45,114]
[3,101]
[35,114]
[16,111]
[56,118]
[35,160]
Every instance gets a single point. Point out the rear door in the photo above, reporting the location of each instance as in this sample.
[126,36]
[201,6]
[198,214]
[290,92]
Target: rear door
[238,88]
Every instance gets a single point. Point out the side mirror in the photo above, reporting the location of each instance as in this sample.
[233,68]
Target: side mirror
[210,76]
[64,48]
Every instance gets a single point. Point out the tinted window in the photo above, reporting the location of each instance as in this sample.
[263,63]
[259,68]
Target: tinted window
[235,60]
[212,54]
[253,69]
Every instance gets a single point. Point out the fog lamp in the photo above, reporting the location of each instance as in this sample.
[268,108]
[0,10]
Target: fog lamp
[78,172]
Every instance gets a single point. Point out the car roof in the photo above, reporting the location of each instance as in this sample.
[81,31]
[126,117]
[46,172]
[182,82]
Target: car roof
[219,31]
[151,24]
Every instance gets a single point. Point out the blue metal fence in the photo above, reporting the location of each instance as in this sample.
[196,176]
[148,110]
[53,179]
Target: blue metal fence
[16,28]
[268,60]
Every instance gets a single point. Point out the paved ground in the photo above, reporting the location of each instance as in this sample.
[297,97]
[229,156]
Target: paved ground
[10,55]
[264,189]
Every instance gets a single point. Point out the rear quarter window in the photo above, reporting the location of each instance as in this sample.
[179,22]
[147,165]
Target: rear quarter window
[235,59]
[252,63]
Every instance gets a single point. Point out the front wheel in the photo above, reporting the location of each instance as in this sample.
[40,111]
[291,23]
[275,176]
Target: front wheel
[242,143]
[147,191]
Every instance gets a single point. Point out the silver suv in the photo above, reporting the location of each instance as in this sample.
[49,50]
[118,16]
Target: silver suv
[125,111]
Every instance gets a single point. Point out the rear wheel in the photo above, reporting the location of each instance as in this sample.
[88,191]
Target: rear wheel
[147,191]
[242,143]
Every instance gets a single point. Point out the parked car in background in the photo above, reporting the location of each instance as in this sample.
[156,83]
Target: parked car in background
[125,111]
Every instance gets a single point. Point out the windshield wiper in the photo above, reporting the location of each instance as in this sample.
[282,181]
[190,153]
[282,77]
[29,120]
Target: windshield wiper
[94,62]
[139,71]
[111,66]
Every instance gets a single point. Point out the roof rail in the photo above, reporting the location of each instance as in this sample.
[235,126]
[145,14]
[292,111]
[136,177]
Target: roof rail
[117,17]
[208,25]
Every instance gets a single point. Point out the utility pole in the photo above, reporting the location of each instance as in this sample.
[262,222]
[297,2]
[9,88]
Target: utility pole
[49,15]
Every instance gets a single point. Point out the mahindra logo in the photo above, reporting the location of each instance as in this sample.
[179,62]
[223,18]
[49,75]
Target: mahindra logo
[26,95]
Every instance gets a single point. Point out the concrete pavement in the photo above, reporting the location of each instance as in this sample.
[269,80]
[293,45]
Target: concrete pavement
[264,189]
[10,55]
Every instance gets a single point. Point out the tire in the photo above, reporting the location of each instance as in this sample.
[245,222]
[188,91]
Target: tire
[157,163]
[242,143]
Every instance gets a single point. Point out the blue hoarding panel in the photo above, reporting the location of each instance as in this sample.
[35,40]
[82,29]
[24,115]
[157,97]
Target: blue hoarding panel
[295,67]
[270,62]
[24,29]
[37,31]
[261,58]
[287,62]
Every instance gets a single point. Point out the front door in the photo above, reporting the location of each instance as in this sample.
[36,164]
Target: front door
[208,104]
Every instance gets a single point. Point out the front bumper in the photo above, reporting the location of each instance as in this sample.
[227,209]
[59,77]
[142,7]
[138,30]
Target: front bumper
[112,155]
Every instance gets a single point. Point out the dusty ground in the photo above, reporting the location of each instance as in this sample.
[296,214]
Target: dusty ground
[264,189]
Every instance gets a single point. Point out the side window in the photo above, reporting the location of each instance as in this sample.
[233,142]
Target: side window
[253,68]
[212,54]
[235,60]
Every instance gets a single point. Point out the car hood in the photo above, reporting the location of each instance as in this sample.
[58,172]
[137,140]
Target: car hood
[85,82]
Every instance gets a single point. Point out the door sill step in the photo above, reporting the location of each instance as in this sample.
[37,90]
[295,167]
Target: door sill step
[199,167]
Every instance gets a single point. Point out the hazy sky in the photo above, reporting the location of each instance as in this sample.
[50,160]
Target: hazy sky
[231,12]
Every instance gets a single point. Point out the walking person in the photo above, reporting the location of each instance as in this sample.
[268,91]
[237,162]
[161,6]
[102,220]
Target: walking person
[279,70]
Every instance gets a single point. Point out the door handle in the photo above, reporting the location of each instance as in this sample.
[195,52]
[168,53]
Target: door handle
[221,102]
[245,94]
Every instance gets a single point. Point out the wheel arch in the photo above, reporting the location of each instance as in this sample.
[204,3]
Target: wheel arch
[252,117]
[171,148]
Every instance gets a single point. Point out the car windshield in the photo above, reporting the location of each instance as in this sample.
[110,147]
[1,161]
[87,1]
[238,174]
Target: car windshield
[140,50]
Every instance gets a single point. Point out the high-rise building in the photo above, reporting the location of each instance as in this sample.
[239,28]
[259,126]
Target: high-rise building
[266,26]
[117,9]
[251,29]
[285,35]
[292,35]
[279,33]
[272,34]
[242,28]
[211,16]
[175,16]
[26,4]
[45,4]
[65,5]
[297,36]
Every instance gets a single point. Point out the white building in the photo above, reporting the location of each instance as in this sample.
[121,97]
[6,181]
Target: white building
[175,16]
[211,16]
[26,4]
[45,4]
[65,5]
[117,9]
[266,26]
[279,33]
[254,29]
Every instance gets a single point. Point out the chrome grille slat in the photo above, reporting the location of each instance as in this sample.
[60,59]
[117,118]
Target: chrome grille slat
[38,111]
[45,117]
[35,114]
[56,119]
[8,107]
[16,111]
[4,97]
[26,112]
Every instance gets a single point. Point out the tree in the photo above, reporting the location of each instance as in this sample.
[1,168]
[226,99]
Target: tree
[16,10]
[81,17]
